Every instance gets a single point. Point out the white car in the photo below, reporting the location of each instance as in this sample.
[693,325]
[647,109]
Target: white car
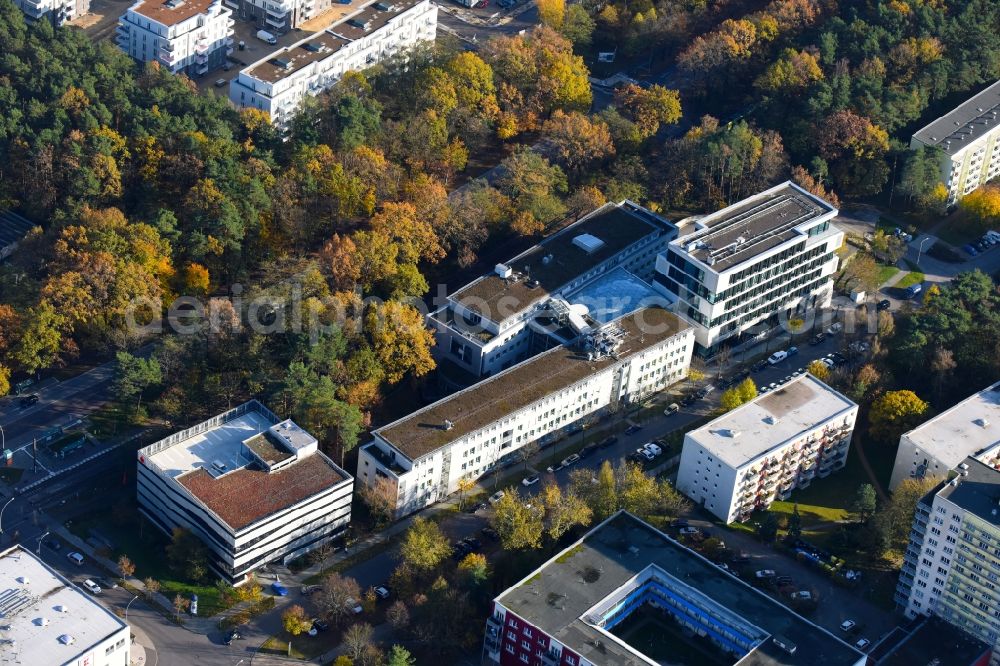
[765,573]
[847,625]
[92,587]
[497,496]
[354,606]
[653,448]
[570,460]
[835,328]
[689,530]
[862,644]
[777,357]
[645,453]
[529,480]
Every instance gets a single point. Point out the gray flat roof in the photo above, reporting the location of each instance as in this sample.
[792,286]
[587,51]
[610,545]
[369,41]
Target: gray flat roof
[13,227]
[770,420]
[746,229]
[970,428]
[965,123]
[977,491]
[934,641]
[38,605]
[559,593]
[557,260]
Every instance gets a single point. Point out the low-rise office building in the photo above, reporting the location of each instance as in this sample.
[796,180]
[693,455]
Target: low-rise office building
[598,266]
[929,640]
[56,11]
[770,255]
[424,455]
[970,428]
[628,594]
[254,488]
[278,83]
[966,139]
[185,36]
[951,568]
[49,621]
[765,449]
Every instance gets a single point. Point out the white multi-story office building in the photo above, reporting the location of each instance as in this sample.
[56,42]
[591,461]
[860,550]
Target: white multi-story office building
[278,16]
[254,488]
[970,428]
[951,567]
[765,449]
[467,434]
[278,83]
[968,141]
[185,36]
[597,266]
[769,255]
[50,621]
[57,11]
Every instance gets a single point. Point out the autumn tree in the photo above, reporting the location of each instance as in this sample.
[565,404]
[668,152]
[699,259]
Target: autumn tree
[424,546]
[552,13]
[982,206]
[475,568]
[855,149]
[400,656]
[337,597]
[533,185]
[518,524]
[398,615]
[790,74]
[819,370]
[125,567]
[861,273]
[356,638]
[563,511]
[894,413]
[743,392]
[295,621]
[380,497]
[578,26]
[578,141]
[648,107]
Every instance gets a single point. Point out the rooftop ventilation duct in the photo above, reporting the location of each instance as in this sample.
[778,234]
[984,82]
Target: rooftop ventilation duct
[982,422]
[588,243]
[504,271]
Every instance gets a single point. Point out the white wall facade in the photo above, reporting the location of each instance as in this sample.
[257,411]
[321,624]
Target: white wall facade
[281,99]
[112,651]
[733,493]
[432,477]
[192,46]
[970,166]
[57,11]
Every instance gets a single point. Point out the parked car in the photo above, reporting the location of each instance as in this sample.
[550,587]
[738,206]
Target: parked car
[783,580]
[497,496]
[740,558]
[835,328]
[354,606]
[765,574]
[608,441]
[817,339]
[678,522]
[92,587]
[705,390]
[642,453]
[220,83]
[914,289]
[792,351]
[671,409]
[529,480]
[970,249]
[235,635]
[382,592]
[278,589]
[54,545]
[317,627]
[688,530]
[311,589]
[863,644]
[76,558]
[490,533]
[689,399]
[760,365]
[848,625]
[632,429]
[802,595]
[777,357]
[653,448]
[570,460]
[28,400]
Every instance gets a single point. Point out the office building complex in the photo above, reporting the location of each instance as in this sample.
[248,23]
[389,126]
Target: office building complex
[967,140]
[278,83]
[49,621]
[595,266]
[768,256]
[951,568]
[56,11]
[588,606]
[254,488]
[185,36]
[765,449]
[424,455]
[970,428]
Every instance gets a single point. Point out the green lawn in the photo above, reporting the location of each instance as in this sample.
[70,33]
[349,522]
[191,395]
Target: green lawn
[958,230]
[304,646]
[145,546]
[886,272]
[910,279]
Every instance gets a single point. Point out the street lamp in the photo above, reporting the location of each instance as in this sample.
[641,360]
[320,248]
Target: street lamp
[921,248]
[39,549]
[1,513]
[3,439]
[127,605]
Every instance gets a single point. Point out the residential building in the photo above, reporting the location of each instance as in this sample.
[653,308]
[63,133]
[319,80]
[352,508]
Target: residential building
[597,264]
[929,640]
[50,621]
[13,228]
[765,449]
[422,457]
[749,264]
[628,594]
[56,11]
[254,488]
[185,36]
[278,16]
[967,141]
[970,428]
[951,568]
[279,82]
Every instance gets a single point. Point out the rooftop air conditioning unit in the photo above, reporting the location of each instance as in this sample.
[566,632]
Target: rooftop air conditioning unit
[504,271]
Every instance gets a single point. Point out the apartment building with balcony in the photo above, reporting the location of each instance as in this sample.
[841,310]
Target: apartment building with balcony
[765,449]
[951,567]
[938,445]
[422,457]
[255,489]
[278,16]
[968,143]
[598,266]
[185,36]
[583,608]
[767,256]
[56,11]
[278,83]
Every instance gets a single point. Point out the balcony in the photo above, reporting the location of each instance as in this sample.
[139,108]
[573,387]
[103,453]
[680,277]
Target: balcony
[201,48]
[551,659]
[201,58]
[165,57]
[277,11]
[201,69]
[275,23]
